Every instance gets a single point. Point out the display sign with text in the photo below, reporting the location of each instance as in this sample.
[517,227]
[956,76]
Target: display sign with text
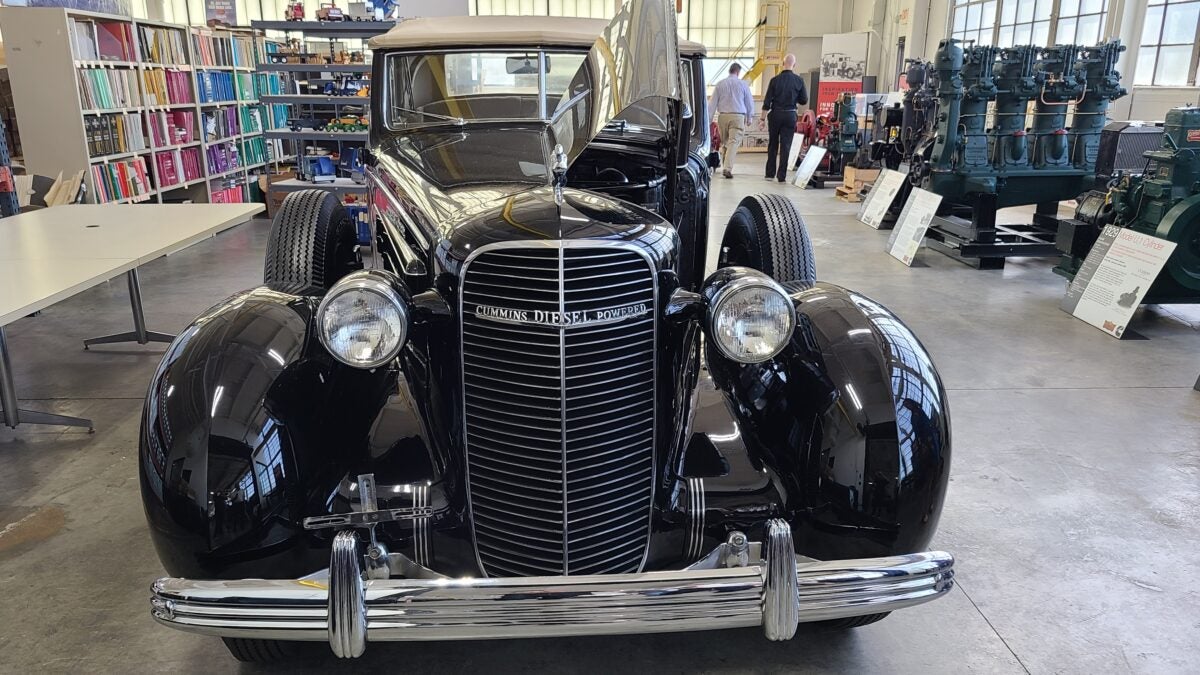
[911,226]
[1114,278]
[808,166]
[883,192]
[220,12]
[843,64]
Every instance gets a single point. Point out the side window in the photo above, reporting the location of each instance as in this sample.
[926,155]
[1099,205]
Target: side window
[694,100]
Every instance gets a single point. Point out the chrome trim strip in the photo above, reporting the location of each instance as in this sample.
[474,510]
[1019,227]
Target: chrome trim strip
[561,245]
[700,598]
[696,516]
[562,405]
[421,548]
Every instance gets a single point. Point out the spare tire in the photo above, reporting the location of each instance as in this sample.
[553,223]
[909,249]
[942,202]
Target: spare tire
[767,233]
[313,243]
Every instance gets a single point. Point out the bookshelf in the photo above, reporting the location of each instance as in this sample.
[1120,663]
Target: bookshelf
[157,112]
[302,76]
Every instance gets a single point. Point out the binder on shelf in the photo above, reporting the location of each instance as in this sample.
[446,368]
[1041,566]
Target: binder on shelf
[163,45]
[114,41]
[215,86]
[107,89]
[83,40]
[221,123]
[121,180]
[114,134]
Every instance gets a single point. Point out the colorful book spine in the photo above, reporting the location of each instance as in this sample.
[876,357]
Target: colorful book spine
[215,86]
[171,128]
[121,180]
[211,49]
[162,45]
[244,83]
[223,157]
[114,134]
[232,194]
[166,87]
[108,88]
[221,123]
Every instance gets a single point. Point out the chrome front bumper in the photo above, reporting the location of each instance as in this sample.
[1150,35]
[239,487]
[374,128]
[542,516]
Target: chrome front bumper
[348,608]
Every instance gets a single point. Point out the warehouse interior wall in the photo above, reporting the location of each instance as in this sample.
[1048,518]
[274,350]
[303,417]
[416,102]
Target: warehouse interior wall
[924,23]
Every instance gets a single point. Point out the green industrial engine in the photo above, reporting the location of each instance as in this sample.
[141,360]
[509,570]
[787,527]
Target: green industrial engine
[838,133]
[1163,202]
[991,152]
[843,137]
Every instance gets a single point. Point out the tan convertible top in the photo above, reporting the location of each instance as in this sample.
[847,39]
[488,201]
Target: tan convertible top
[501,31]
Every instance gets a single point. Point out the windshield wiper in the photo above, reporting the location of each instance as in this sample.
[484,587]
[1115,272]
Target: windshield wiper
[456,120]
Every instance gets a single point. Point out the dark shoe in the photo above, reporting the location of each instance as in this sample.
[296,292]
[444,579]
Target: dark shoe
[727,174]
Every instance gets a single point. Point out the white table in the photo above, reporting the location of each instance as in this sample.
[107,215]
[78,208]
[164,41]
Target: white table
[51,254]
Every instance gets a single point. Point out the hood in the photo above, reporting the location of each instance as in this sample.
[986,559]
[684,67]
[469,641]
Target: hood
[533,215]
[635,58]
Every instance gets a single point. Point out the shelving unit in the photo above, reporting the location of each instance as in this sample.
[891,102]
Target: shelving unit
[47,47]
[304,98]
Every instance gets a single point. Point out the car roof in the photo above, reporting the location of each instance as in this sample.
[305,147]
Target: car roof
[501,31]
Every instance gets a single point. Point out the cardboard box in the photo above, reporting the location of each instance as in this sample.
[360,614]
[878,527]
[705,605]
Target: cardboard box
[856,178]
[274,197]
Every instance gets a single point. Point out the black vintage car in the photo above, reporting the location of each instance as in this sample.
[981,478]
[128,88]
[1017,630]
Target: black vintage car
[528,412]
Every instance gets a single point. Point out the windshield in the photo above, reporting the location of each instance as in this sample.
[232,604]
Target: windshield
[448,156]
[466,86]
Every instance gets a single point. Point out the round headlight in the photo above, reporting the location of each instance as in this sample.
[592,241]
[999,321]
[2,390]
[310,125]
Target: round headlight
[751,319]
[363,320]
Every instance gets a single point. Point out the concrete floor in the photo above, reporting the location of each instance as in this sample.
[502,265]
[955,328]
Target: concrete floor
[1074,507]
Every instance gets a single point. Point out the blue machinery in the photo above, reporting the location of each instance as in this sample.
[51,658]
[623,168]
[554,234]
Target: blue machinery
[983,160]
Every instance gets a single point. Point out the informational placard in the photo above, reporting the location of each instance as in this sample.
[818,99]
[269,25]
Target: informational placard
[879,199]
[794,150]
[220,12]
[808,166]
[914,221]
[1115,277]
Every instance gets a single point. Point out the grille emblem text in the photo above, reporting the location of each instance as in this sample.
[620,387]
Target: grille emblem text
[541,317]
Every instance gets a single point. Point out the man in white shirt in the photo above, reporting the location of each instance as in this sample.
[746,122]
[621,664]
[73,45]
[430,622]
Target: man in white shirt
[732,106]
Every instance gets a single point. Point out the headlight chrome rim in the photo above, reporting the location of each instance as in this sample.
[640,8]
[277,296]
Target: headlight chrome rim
[365,281]
[751,280]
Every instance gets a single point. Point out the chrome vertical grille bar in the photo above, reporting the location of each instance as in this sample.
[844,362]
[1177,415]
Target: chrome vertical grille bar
[560,480]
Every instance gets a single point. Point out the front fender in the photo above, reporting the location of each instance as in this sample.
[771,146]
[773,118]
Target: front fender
[851,424]
[248,427]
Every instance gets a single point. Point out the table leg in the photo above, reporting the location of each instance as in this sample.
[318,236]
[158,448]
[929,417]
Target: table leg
[139,334]
[8,399]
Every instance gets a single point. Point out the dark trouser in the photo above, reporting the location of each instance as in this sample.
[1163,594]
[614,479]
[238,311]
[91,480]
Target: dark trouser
[781,127]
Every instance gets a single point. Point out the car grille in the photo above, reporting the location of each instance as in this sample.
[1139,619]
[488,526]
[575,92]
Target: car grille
[559,421]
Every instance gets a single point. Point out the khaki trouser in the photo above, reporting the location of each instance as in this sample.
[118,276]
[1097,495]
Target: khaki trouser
[731,126]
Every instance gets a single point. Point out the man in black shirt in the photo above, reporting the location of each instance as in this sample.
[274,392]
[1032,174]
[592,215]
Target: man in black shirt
[784,93]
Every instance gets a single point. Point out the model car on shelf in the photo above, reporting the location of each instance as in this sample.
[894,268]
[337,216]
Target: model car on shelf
[345,86]
[306,122]
[293,11]
[347,123]
[329,11]
[536,414]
